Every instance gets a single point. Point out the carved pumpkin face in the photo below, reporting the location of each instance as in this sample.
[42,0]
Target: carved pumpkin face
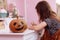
[18,25]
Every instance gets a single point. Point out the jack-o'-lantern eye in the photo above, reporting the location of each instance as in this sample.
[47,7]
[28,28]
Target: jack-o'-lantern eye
[14,23]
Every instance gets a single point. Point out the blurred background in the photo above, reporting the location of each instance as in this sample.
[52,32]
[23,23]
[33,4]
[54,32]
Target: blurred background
[11,8]
[58,6]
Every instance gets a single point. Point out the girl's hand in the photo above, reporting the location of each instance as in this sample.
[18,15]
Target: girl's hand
[33,24]
[32,27]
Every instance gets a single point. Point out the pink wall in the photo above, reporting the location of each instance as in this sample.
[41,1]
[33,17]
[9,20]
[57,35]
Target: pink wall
[31,12]
[19,4]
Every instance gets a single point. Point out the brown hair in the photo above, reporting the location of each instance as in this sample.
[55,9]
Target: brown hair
[44,11]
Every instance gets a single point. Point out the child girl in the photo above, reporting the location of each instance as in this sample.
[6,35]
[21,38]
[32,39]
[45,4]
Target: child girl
[49,20]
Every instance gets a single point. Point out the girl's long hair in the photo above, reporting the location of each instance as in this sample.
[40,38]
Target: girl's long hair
[44,11]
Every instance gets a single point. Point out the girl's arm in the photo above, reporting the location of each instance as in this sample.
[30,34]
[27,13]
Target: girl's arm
[39,26]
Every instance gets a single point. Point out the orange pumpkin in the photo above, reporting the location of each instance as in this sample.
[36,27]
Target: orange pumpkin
[18,25]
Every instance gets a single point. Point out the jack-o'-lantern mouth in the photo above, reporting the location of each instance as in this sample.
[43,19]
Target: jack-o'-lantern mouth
[19,28]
